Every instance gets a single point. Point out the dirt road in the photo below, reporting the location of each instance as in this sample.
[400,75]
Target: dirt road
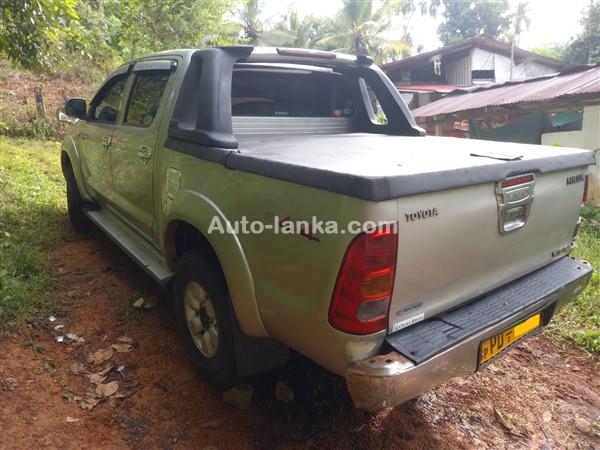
[540,396]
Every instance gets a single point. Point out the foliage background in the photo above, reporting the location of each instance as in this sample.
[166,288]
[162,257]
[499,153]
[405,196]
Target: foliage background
[68,46]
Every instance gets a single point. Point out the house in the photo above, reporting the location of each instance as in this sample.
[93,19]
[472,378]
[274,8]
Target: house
[479,61]
[559,109]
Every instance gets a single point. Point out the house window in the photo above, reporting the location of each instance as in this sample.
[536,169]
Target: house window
[483,76]
[567,120]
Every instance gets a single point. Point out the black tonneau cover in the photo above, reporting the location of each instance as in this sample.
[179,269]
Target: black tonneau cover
[380,167]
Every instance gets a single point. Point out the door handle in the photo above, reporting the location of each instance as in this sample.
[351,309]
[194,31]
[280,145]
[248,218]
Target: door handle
[106,141]
[145,154]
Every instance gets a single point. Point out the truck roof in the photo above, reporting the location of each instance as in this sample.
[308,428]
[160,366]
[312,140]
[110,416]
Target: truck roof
[318,58]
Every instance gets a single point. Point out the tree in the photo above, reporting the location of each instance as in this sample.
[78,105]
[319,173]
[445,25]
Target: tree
[585,48]
[252,25]
[293,31]
[54,35]
[468,19]
[359,28]
[151,25]
[30,30]
[520,21]
[554,51]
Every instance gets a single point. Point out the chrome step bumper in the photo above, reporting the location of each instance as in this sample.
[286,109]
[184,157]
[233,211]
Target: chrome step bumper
[394,378]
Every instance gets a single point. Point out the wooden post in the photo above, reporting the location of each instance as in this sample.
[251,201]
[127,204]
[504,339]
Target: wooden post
[39,103]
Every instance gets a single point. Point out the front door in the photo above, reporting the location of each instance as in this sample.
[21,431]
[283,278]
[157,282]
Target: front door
[96,133]
[133,147]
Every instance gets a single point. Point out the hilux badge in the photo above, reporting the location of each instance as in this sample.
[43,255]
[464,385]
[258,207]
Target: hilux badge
[574,179]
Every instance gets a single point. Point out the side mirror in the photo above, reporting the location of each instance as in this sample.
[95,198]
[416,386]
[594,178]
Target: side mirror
[76,107]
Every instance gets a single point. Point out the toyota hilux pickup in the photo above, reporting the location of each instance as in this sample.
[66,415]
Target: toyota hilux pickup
[287,200]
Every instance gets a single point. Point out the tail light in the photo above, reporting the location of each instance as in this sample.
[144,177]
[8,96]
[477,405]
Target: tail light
[515,181]
[361,298]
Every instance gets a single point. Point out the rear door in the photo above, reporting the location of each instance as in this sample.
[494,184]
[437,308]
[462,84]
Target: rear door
[95,137]
[134,144]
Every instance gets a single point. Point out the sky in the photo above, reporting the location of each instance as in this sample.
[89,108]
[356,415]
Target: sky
[552,21]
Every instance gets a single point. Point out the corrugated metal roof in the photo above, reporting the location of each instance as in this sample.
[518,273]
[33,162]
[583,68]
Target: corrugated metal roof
[583,80]
[482,41]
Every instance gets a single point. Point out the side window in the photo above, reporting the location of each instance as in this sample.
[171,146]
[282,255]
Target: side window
[106,107]
[145,97]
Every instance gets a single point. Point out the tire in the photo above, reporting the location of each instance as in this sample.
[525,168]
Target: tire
[197,280]
[75,203]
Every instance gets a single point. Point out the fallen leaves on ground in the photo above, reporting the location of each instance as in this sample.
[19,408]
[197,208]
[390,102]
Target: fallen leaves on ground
[239,396]
[139,303]
[8,384]
[107,389]
[77,368]
[100,356]
[99,377]
[121,348]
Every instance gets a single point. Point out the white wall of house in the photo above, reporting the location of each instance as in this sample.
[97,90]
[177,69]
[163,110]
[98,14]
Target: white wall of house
[532,69]
[482,60]
[588,137]
[500,64]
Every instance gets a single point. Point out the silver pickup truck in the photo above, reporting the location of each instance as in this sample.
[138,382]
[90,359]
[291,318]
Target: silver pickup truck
[288,200]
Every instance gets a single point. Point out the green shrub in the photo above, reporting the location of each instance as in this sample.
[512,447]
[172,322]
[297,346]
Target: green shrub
[32,128]
[579,321]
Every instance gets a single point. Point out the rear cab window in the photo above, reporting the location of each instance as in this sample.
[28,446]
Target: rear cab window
[280,92]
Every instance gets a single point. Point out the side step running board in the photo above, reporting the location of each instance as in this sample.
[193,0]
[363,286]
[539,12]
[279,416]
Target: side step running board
[139,251]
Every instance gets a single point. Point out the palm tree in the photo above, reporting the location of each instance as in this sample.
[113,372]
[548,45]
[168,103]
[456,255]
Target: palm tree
[252,25]
[292,31]
[521,20]
[359,28]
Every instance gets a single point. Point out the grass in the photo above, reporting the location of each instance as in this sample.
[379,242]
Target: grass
[579,321]
[32,207]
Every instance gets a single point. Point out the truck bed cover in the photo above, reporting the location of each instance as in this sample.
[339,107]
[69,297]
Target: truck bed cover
[381,167]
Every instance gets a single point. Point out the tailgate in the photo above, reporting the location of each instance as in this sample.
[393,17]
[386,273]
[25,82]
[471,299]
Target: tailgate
[456,245]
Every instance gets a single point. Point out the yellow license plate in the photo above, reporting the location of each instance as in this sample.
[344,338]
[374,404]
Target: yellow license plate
[494,345]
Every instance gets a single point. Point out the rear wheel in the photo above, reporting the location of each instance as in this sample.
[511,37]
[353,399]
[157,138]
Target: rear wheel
[75,203]
[202,307]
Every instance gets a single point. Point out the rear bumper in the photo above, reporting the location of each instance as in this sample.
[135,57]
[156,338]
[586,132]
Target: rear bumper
[394,378]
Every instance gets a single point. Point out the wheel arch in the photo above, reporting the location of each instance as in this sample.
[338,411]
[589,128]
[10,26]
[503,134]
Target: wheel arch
[189,230]
[69,157]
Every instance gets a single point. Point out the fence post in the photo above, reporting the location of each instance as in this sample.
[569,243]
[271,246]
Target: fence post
[39,103]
